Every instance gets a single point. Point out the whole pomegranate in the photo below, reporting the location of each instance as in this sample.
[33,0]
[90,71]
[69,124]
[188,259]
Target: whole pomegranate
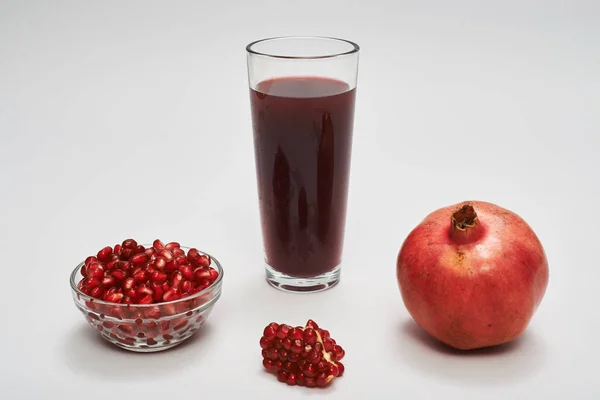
[472,274]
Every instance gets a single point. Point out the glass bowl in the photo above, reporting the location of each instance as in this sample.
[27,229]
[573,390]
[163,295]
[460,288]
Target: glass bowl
[148,327]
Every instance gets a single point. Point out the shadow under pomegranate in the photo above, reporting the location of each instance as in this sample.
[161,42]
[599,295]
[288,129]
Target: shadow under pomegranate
[511,361]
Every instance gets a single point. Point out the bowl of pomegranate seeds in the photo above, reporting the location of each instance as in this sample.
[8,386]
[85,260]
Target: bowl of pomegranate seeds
[147,298]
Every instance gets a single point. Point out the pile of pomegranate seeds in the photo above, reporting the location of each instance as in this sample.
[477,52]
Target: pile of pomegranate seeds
[301,356]
[132,274]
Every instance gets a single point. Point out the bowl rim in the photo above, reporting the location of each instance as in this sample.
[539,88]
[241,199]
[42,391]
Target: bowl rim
[204,291]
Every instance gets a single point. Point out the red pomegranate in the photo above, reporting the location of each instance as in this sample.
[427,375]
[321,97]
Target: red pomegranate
[472,274]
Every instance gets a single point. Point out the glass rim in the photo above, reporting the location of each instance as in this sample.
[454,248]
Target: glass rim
[355,48]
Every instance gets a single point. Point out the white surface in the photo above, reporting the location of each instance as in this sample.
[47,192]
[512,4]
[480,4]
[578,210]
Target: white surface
[131,119]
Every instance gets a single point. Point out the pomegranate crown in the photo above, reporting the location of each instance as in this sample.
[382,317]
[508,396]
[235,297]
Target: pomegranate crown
[464,218]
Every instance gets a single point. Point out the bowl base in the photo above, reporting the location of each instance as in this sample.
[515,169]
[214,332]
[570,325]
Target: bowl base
[153,349]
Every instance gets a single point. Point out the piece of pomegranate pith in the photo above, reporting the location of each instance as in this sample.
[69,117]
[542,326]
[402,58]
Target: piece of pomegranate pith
[303,356]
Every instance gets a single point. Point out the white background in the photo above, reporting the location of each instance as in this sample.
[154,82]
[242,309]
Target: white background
[131,119]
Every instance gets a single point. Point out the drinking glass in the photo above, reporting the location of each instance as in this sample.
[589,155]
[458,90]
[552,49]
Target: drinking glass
[302,95]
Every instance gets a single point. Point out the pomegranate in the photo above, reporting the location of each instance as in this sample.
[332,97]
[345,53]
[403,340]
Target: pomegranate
[472,275]
[303,356]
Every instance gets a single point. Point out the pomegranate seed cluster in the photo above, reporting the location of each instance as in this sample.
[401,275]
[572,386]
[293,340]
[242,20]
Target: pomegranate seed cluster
[130,273]
[303,356]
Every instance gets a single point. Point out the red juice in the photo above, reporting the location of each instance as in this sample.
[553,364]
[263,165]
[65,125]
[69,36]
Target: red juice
[302,140]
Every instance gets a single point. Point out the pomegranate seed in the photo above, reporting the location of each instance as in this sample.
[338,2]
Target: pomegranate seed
[270,332]
[157,291]
[338,352]
[117,249]
[271,352]
[92,283]
[214,275]
[282,376]
[140,276]
[172,245]
[108,281]
[89,260]
[289,366]
[128,283]
[131,293]
[129,244]
[153,313]
[309,370]
[283,354]
[171,294]
[204,284]
[146,299]
[118,274]
[333,370]
[176,279]
[171,266]
[287,343]
[149,252]
[310,382]
[310,336]
[186,271]
[179,324]
[178,252]
[126,253]
[268,364]
[283,331]
[158,277]
[300,379]
[95,270]
[304,356]
[291,380]
[297,346]
[104,254]
[186,286]
[112,265]
[128,329]
[114,297]
[139,249]
[166,254]
[139,259]
[313,357]
[202,273]
[265,343]
[203,261]
[327,344]
[158,245]
[124,265]
[159,263]
[340,368]
[97,292]
[143,290]
[193,254]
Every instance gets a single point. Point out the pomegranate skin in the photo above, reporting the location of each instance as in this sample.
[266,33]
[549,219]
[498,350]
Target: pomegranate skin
[472,282]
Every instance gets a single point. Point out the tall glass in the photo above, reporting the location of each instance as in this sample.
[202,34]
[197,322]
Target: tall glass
[302,94]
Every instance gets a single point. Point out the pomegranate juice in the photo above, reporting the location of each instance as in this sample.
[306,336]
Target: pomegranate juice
[302,141]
